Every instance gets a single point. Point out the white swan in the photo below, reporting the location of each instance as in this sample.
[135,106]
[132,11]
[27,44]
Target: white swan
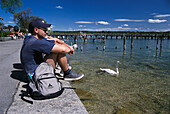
[112,72]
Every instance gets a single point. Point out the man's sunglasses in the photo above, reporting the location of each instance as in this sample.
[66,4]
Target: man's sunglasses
[44,29]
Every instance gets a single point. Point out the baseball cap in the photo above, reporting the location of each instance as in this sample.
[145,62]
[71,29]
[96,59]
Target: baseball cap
[37,23]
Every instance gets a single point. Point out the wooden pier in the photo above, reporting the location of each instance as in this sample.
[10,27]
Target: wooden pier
[112,35]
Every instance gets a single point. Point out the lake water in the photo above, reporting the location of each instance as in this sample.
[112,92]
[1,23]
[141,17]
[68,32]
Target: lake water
[143,85]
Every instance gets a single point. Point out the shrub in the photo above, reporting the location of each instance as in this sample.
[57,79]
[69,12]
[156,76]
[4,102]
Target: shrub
[4,33]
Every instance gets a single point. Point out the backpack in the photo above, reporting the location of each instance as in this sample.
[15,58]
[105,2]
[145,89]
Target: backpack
[43,84]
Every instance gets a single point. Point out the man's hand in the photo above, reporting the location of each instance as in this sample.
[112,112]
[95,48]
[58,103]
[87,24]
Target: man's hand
[49,37]
[55,39]
[71,50]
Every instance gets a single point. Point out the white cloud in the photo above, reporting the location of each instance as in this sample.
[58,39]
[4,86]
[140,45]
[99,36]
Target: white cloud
[126,25]
[81,26]
[159,30]
[121,28]
[108,29]
[164,30]
[70,28]
[88,22]
[103,22]
[153,13]
[84,22]
[129,20]
[11,22]
[165,15]
[156,21]
[59,7]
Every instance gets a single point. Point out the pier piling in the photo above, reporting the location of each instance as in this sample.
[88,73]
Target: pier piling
[157,43]
[124,43]
[131,42]
[161,42]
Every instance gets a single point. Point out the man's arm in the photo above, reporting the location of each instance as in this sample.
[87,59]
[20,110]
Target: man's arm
[62,43]
[58,48]
[55,39]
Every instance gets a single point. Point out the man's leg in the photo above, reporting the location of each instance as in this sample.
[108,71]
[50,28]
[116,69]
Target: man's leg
[62,61]
[53,58]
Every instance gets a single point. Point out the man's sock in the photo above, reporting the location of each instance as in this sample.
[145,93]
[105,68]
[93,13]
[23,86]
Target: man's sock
[67,72]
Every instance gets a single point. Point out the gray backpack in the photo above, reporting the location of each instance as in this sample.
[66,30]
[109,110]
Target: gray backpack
[44,84]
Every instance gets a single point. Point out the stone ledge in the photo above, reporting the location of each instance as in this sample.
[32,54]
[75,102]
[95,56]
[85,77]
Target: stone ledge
[67,103]
[5,38]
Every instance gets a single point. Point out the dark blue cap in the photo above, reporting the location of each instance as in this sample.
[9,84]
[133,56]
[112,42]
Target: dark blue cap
[37,23]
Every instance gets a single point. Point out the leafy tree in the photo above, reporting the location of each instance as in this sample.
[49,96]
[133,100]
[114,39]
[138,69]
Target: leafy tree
[10,5]
[23,18]
[5,27]
[1,25]
[1,18]
[9,27]
[16,28]
[23,30]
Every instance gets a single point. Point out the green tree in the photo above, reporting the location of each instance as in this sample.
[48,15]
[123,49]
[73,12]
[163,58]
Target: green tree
[9,27]
[23,18]
[1,25]
[10,5]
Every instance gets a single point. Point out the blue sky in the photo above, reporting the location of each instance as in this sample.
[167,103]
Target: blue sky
[99,15]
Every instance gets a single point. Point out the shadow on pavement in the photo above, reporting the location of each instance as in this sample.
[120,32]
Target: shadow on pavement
[25,93]
[19,73]
[18,66]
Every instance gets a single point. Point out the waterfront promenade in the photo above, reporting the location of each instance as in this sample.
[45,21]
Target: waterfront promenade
[13,83]
[9,55]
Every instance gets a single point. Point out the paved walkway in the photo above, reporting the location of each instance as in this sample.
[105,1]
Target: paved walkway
[9,57]
[13,83]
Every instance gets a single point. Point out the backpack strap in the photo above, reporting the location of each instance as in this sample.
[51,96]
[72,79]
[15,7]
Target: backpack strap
[30,76]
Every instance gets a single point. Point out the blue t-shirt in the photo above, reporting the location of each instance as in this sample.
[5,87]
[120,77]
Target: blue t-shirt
[32,52]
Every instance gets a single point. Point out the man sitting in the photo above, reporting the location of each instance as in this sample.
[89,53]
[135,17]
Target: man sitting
[36,49]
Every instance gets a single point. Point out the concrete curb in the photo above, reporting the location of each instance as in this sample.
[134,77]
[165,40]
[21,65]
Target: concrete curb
[5,38]
[67,103]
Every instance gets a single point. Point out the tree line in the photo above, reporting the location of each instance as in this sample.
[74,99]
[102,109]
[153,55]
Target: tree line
[107,32]
[22,18]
